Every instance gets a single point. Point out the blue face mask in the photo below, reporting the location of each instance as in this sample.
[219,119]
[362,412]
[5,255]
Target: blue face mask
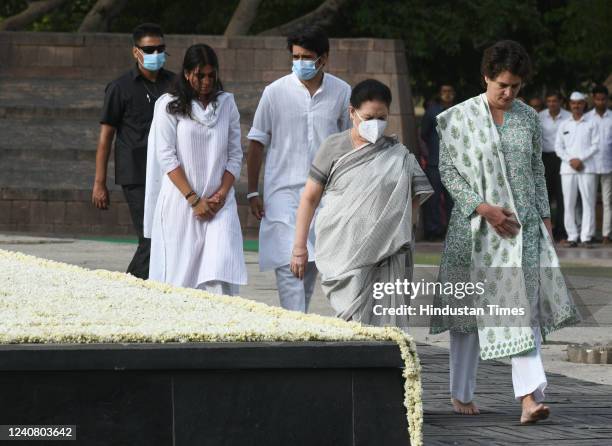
[305,69]
[153,62]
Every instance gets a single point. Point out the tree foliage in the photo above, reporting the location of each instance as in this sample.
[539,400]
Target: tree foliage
[570,40]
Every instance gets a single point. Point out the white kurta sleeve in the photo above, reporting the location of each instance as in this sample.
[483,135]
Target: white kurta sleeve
[345,119]
[560,148]
[593,147]
[164,125]
[234,148]
[261,131]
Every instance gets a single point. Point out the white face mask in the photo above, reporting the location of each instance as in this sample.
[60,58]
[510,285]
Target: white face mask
[372,129]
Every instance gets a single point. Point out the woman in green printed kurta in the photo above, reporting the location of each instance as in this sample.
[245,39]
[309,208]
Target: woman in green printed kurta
[499,234]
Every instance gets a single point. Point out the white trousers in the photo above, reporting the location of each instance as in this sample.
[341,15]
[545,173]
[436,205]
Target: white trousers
[220,287]
[586,185]
[294,293]
[606,199]
[527,370]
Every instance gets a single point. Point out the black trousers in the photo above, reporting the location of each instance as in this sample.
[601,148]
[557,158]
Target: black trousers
[135,197]
[552,167]
[438,207]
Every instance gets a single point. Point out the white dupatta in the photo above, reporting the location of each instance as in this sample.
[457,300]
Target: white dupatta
[207,117]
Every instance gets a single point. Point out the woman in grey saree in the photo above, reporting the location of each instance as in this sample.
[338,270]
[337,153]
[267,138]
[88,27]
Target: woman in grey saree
[500,235]
[369,186]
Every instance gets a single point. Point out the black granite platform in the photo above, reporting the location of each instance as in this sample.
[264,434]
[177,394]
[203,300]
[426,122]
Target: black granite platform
[302,393]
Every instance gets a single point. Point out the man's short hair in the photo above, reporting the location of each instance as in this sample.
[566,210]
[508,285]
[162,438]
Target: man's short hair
[598,89]
[312,37]
[555,93]
[146,30]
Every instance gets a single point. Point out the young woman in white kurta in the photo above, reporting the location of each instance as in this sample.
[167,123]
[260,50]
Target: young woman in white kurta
[196,246]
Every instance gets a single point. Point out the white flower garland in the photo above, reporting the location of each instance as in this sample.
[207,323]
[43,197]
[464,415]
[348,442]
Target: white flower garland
[43,301]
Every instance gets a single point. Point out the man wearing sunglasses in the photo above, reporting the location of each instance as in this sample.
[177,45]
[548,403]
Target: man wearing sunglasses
[126,117]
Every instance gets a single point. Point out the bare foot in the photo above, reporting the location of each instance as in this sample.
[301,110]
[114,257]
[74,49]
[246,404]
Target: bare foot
[464,408]
[532,411]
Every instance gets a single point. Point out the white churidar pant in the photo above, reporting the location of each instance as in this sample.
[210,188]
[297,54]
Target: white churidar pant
[586,185]
[527,370]
[606,198]
[220,287]
[294,293]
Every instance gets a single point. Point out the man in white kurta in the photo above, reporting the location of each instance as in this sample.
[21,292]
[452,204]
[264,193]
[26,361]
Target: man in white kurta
[602,117]
[296,113]
[577,145]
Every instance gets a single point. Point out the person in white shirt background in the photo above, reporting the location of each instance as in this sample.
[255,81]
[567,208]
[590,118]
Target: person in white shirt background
[551,118]
[295,114]
[602,117]
[577,144]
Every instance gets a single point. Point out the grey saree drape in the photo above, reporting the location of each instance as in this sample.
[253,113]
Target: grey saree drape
[364,230]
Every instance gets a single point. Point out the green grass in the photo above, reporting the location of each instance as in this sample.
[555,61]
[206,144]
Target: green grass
[429,258]
[569,268]
[249,245]
[131,240]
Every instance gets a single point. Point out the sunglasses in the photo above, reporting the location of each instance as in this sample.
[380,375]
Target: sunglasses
[152,49]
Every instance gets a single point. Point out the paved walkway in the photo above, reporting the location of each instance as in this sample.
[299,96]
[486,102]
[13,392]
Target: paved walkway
[581,412]
[581,408]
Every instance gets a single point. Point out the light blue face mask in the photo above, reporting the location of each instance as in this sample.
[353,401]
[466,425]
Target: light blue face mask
[305,69]
[153,62]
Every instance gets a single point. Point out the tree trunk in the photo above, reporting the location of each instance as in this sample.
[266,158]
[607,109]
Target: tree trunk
[322,16]
[98,19]
[243,18]
[33,12]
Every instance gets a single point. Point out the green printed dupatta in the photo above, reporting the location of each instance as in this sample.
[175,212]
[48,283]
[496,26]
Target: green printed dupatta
[469,134]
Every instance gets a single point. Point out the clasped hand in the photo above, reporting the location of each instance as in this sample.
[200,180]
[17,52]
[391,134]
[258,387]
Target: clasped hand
[207,208]
[576,164]
[503,220]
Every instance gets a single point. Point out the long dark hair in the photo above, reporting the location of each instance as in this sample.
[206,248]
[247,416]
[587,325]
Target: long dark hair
[197,55]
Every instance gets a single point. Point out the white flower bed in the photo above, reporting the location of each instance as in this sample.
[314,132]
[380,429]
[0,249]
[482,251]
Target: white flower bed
[42,301]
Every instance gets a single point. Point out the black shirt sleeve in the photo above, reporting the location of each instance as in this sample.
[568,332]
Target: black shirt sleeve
[112,112]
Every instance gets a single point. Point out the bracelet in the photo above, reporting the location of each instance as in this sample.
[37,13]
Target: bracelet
[190,194]
[252,194]
[299,255]
[195,202]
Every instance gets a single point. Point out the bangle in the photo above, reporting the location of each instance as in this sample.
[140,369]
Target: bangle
[189,195]
[195,202]
[252,194]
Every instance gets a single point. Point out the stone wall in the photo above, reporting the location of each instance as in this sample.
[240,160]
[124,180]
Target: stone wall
[60,77]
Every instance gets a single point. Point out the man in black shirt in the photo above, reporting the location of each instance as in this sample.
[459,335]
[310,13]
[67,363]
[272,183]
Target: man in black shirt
[127,114]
